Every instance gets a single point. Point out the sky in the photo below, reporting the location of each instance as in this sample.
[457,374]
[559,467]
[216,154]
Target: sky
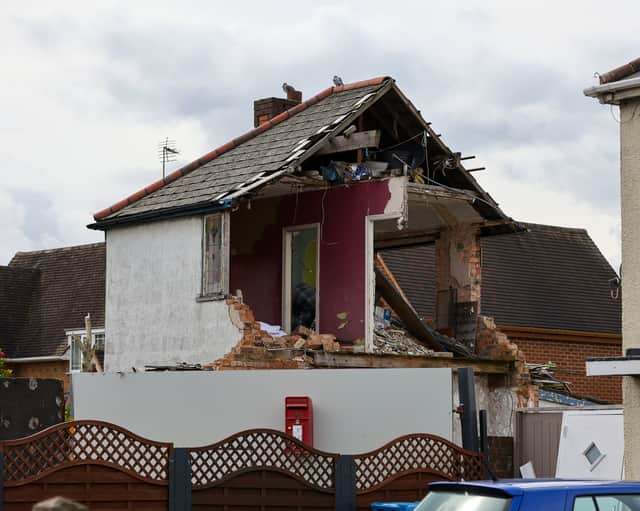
[89,89]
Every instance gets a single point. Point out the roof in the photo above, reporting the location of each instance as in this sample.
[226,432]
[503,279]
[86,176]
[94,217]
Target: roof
[51,291]
[545,277]
[621,73]
[16,287]
[520,486]
[280,147]
[257,155]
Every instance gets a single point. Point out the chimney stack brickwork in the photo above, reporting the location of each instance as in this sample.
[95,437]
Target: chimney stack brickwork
[267,108]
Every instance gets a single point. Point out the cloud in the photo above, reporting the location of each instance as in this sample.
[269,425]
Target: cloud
[89,90]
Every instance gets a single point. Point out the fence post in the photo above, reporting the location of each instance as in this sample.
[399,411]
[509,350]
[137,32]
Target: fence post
[345,483]
[179,480]
[1,480]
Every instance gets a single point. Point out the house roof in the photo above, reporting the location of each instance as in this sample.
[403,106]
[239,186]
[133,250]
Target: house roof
[253,157]
[45,293]
[16,287]
[545,277]
[277,148]
[621,72]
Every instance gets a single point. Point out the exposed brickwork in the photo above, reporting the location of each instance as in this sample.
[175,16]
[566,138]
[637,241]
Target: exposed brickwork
[258,350]
[570,360]
[501,456]
[268,108]
[493,344]
[458,263]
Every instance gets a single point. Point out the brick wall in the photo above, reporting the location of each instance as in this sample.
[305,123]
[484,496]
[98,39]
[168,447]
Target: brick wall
[57,369]
[570,359]
[501,456]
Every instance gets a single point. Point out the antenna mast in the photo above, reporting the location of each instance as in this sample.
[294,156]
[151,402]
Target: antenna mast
[167,152]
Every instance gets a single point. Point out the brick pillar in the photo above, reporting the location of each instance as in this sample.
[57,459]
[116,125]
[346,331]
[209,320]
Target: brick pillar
[458,281]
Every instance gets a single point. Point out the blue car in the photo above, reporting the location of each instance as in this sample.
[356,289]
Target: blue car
[532,495]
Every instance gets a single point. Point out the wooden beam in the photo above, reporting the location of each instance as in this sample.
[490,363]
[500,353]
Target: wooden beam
[337,360]
[357,140]
[402,238]
[384,123]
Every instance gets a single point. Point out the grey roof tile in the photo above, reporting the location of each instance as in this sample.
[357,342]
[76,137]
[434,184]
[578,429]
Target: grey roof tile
[265,152]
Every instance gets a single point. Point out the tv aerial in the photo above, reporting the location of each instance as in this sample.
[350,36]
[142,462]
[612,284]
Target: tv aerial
[167,152]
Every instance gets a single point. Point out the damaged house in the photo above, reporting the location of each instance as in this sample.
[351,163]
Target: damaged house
[288,218]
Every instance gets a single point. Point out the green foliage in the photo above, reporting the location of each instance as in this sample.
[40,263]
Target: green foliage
[5,372]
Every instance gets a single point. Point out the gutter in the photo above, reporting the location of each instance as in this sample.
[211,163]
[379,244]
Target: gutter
[152,216]
[28,360]
[611,88]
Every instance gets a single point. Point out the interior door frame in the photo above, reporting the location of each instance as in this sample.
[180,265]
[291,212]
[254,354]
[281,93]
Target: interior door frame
[287,234]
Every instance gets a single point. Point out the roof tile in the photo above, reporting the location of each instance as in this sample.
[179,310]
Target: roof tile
[273,139]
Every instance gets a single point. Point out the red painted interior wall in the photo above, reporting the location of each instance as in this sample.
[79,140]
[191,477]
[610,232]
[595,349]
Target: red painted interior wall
[256,251]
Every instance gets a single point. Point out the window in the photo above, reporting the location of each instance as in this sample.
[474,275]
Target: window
[75,339]
[215,256]
[76,352]
[628,502]
[593,455]
[300,277]
[448,501]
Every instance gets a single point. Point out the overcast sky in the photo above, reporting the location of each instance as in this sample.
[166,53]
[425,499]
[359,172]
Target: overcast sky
[88,90]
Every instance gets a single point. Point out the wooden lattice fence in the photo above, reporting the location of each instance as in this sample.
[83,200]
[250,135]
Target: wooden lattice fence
[94,462]
[108,467]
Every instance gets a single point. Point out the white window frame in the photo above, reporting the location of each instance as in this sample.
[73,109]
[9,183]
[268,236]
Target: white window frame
[370,275]
[205,294]
[83,335]
[287,234]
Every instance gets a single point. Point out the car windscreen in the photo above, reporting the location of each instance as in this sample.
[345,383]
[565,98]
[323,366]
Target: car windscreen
[463,501]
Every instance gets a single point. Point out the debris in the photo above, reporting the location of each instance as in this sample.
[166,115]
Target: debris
[397,341]
[544,376]
[182,366]
[272,330]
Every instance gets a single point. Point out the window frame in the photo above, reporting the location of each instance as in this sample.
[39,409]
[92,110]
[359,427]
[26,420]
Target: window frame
[287,233]
[206,294]
[71,334]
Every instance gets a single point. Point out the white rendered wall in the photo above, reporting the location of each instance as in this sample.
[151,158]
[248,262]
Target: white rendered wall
[630,188]
[355,410]
[152,316]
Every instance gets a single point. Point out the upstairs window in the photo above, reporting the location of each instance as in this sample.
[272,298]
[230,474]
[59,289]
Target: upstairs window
[215,248]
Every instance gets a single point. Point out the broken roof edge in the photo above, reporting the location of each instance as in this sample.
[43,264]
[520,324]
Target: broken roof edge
[473,182]
[210,156]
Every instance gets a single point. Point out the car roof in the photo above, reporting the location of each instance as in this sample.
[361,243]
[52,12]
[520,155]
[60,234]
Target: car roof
[520,486]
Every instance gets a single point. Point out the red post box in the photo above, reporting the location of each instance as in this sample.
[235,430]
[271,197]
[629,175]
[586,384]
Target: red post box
[298,418]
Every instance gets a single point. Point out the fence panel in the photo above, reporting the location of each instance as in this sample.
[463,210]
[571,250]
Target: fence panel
[262,469]
[108,467]
[96,463]
[401,469]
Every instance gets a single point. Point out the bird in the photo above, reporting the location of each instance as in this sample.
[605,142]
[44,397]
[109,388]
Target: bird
[288,88]
[337,80]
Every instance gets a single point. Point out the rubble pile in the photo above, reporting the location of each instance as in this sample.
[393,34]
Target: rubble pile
[397,341]
[258,349]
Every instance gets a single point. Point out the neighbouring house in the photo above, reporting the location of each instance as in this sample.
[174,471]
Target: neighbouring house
[548,288]
[44,298]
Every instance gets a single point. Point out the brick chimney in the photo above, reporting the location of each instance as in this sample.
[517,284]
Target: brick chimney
[268,108]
